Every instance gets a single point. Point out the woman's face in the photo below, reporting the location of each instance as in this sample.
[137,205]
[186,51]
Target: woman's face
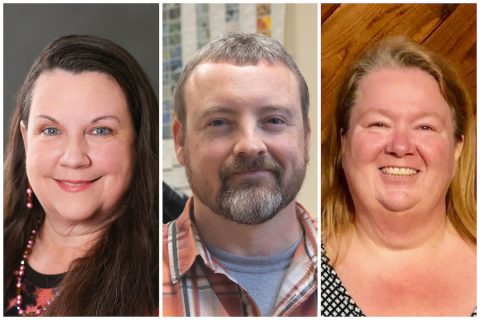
[399,152]
[79,145]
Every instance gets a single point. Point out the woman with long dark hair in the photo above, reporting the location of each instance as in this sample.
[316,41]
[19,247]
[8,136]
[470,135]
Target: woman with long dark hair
[81,185]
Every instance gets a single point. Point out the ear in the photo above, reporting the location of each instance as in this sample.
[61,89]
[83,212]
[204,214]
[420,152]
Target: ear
[308,133]
[23,130]
[178,132]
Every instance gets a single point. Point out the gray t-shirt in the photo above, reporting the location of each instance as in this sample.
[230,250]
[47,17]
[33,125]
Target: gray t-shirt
[261,276]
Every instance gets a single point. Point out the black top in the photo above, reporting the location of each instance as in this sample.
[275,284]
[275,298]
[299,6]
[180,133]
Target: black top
[37,290]
[335,300]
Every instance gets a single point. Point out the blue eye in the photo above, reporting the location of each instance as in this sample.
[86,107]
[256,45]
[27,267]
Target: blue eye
[102,131]
[50,131]
[275,121]
[217,123]
[425,127]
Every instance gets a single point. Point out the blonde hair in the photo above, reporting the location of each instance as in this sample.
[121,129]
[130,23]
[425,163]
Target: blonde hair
[337,206]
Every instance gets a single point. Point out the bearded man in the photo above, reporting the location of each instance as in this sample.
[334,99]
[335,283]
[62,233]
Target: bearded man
[242,246]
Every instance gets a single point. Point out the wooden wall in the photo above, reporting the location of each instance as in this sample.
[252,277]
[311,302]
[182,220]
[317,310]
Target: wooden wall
[349,29]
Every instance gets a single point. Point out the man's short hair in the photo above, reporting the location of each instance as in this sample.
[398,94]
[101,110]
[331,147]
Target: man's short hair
[241,49]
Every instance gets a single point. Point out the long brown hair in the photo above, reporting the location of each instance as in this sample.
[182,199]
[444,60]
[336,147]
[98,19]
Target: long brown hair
[119,274]
[337,205]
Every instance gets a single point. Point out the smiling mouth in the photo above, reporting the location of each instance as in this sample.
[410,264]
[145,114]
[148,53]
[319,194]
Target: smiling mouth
[399,171]
[75,185]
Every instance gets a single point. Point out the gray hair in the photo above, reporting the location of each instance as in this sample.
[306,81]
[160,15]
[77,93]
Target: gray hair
[240,49]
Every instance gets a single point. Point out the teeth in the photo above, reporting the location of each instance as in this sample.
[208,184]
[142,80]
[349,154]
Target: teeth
[397,171]
[73,184]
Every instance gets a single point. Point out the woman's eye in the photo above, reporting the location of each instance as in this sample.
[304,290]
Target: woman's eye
[50,131]
[425,127]
[377,125]
[101,131]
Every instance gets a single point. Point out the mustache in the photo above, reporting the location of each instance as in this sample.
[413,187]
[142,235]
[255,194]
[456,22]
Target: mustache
[240,165]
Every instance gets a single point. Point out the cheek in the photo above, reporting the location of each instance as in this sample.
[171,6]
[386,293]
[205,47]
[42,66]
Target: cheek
[41,158]
[289,151]
[206,157]
[361,148]
[113,158]
[437,152]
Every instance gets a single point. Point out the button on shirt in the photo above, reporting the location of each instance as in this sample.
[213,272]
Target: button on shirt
[196,284]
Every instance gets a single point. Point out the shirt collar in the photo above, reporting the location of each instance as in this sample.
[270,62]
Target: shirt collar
[185,244]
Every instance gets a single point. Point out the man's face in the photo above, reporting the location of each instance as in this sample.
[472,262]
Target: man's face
[245,145]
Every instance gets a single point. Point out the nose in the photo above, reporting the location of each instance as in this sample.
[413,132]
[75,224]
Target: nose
[400,144]
[75,153]
[249,143]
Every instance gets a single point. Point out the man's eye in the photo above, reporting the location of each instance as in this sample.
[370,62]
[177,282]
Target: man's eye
[275,121]
[217,123]
[50,131]
[101,131]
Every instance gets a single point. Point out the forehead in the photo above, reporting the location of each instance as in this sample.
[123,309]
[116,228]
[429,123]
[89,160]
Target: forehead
[400,90]
[57,90]
[231,85]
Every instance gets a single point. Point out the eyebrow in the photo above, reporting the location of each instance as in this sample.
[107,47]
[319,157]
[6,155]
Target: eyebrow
[47,117]
[228,110]
[219,109]
[278,108]
[389,113]
[97,119]
[107,117]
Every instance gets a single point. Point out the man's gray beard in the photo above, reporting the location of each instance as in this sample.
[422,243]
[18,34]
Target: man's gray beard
[251,204]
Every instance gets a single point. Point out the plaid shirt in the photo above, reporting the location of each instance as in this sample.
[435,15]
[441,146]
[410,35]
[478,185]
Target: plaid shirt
[196,284]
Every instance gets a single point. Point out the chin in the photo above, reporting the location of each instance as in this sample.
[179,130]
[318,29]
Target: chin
[75,215]
[400,206]
[398,203]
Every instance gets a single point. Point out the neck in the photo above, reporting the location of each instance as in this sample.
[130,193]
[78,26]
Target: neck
[59,243]
[401,230]
[270,237]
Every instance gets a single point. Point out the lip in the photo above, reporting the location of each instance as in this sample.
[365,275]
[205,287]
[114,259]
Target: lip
[252,174]
[74,186]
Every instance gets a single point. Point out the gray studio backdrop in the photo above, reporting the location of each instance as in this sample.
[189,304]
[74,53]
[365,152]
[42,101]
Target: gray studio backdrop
[28,28]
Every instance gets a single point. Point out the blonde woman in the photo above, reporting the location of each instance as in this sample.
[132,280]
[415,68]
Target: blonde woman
[398,190]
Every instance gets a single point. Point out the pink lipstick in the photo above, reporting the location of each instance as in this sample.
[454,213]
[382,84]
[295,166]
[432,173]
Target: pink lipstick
[75,185]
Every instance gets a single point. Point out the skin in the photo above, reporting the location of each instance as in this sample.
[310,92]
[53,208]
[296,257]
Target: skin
[401,120]
[79,146]
[242,112]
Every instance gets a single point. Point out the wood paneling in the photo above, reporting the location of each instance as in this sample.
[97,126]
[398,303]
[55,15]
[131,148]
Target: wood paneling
[349,29]
[455,39]
[327,10]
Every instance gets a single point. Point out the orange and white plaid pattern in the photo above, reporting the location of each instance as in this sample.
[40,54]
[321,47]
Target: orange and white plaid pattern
[196,284]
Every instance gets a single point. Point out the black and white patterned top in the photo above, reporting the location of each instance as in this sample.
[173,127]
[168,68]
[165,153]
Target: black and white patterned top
[335,300]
